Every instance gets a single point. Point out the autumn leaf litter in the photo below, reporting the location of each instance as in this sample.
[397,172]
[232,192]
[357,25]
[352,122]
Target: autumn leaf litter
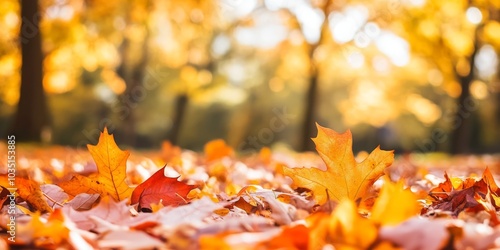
[178,199]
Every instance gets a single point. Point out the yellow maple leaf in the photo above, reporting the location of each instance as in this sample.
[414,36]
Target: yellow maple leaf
[344,177]
[344,228]
[318,224]
[394,205]
[111,164]
[348,230]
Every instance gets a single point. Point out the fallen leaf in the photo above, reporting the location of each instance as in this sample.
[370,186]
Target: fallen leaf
[159,188]
[209,242]
[51,232]
[194,212]
[240,241]
[4,195]
[458,201]
[344,177]
[477,236]
[417,233]
[265,155]
[83,201]
[81,184]
[117,213]
[186,236]
[235,225]
[291,238]
[394,204]
[29,191]
[490,181]
[468,195]
[169,152]
[55,195]
[443,189]
[281,213]
[493,187]
[348,230]
[111,175]
[128,240]
[217,149]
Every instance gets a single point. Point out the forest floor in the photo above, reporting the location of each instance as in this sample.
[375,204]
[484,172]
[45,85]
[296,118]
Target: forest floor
[106,198]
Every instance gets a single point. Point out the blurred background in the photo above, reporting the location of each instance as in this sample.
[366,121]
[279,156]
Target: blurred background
[411,75]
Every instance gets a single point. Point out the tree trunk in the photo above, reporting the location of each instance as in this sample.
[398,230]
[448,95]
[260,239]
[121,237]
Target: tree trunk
[32,114]
[308,130]
[133,76]
[180,109]
[310,114]
[462,124]
[133,73]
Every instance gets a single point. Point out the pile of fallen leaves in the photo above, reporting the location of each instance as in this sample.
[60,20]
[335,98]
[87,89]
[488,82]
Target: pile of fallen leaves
[177,199]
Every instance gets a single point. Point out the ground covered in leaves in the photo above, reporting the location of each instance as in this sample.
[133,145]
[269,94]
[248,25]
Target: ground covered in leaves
[106,198]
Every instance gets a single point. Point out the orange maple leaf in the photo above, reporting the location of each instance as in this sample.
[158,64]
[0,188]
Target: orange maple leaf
[29,191]
[111,175]
[344,177]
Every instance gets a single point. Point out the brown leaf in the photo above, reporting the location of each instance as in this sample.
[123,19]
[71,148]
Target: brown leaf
[458,201]
[443,189]
[460,195]
[29,191]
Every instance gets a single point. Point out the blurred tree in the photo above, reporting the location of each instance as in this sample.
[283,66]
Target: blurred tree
[308,127]
[450,35]
[134,52]
[32,114]
[193,26]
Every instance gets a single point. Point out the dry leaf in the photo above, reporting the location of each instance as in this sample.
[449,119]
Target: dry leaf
[51,232]
[55,195]
[417,233]
[129,240]
[29,191]
[344,177]
[169,152]
[84,201]
[111,164]
[159,188]
[291,238]
[188,214]
[117,213]
[217,149]
[455,196]
[395,204]
[348,230]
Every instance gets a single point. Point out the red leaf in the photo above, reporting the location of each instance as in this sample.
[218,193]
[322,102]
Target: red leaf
[158,187]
